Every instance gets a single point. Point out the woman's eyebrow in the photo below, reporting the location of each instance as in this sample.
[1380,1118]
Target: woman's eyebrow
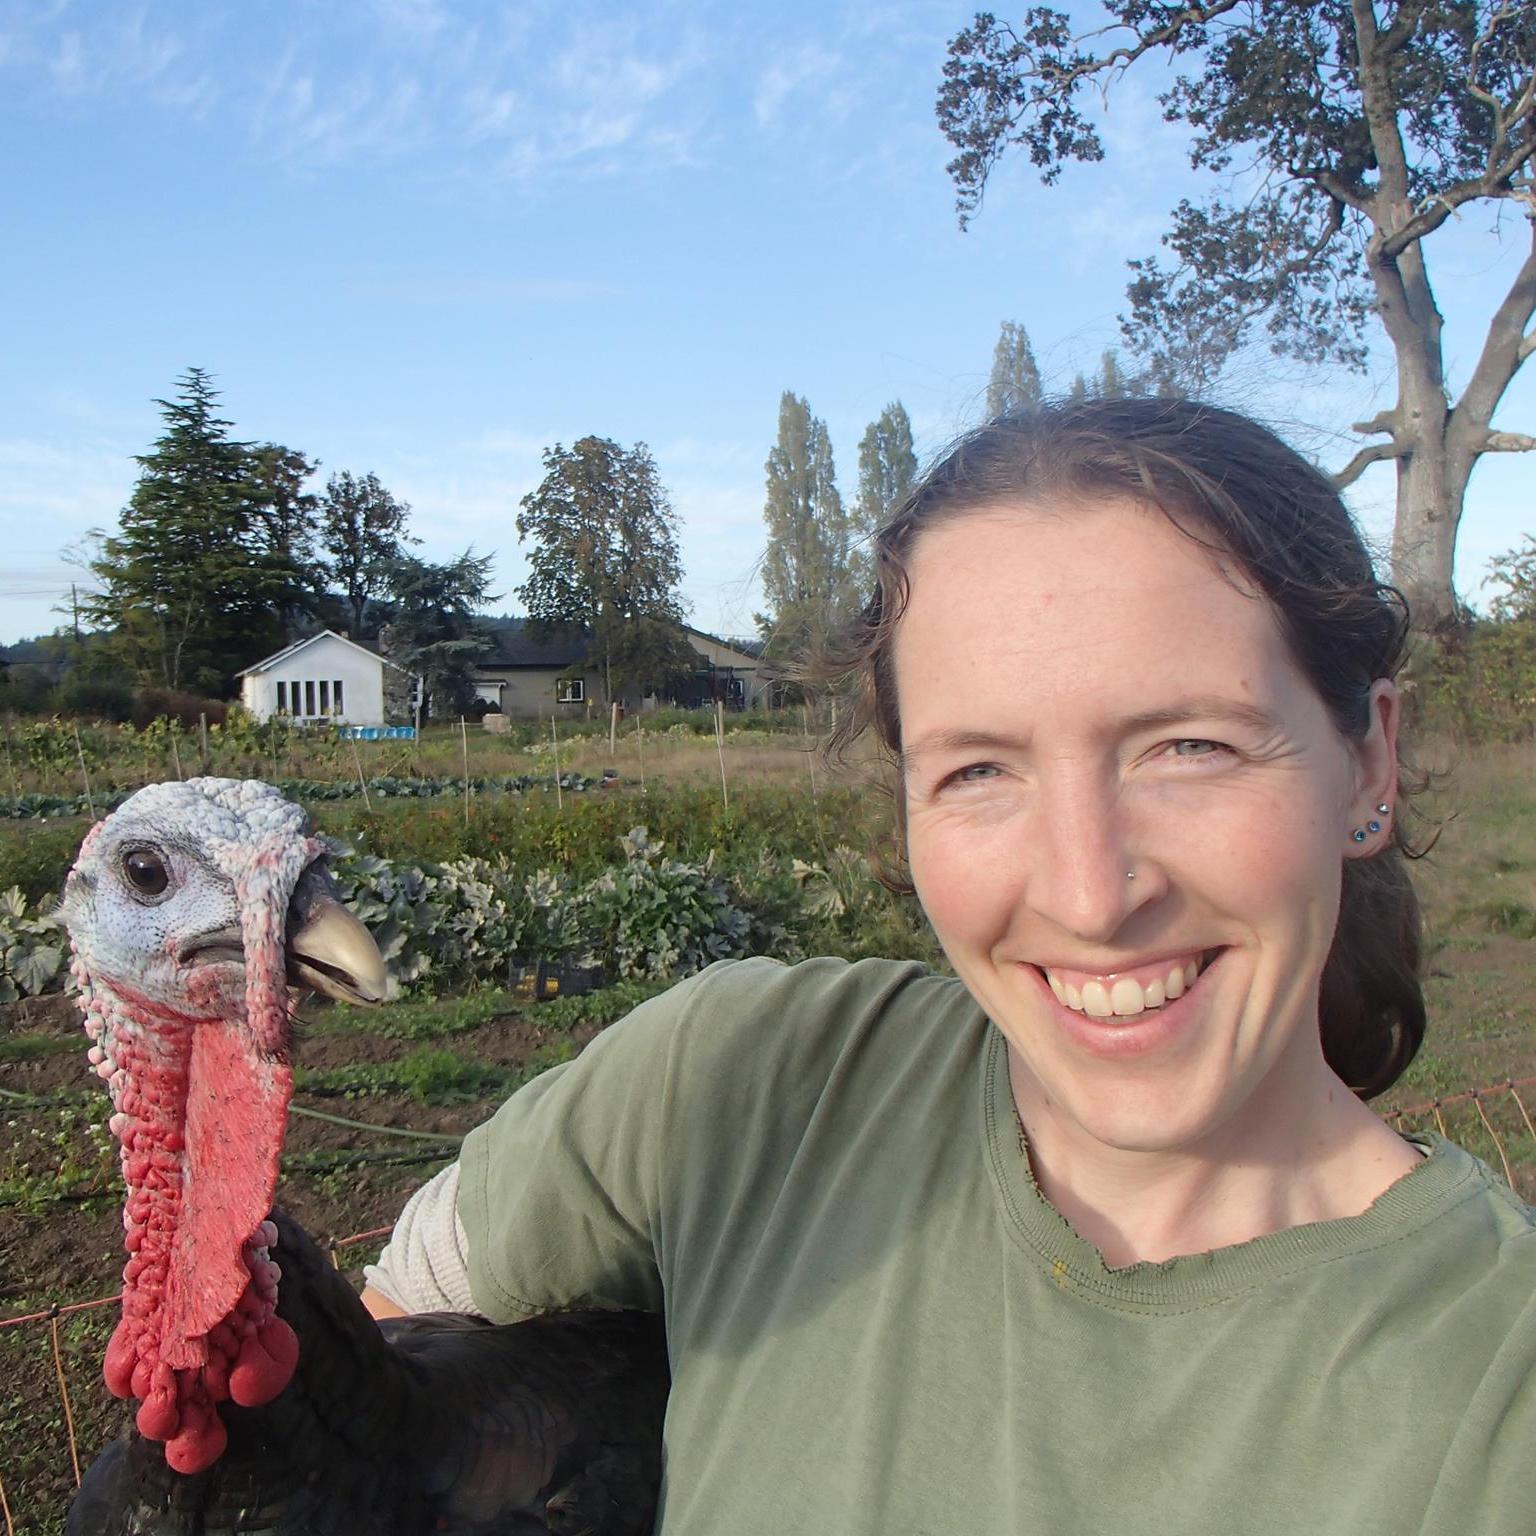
[1207,706]
[954,740]
[1200,707]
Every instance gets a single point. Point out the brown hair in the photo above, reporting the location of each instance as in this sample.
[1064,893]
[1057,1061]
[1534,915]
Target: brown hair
[1234,487]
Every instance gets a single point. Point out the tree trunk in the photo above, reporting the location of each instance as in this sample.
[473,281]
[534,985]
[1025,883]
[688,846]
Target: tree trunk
[1424,535]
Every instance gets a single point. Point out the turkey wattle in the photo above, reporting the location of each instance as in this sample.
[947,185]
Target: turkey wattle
[196,910]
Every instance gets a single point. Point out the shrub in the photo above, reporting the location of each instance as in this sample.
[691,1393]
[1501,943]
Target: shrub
[32,947]
[37,858]
[149,704]
[94,698]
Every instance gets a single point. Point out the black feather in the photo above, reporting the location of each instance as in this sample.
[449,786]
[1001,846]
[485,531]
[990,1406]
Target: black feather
[440,1424]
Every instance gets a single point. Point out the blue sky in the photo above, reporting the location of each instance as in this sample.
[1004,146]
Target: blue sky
[427,240]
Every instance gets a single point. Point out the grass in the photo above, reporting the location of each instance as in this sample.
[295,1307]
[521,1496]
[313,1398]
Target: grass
[14,1048]
[442,1065]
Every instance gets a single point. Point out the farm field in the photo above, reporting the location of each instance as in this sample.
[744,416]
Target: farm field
[433,1068]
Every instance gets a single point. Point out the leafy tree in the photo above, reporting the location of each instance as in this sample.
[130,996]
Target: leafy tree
[1015,381]
[807,575]
[362,529]
[887,468]
[605,559]
[189,586]
[432,629]
[288,515]
[1359,129]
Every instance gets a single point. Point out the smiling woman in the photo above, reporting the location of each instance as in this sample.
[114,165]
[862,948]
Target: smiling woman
[1099,1233]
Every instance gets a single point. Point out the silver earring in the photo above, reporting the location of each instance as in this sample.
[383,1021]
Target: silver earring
[1130,874]
[1383,810]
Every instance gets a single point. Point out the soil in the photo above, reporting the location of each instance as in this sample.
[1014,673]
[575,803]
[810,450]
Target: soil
[70,1251]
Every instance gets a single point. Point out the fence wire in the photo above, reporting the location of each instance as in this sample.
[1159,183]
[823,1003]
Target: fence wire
[1493,1122]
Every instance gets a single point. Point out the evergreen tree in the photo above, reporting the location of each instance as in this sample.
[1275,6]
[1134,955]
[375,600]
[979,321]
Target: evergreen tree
[432,629]
[1015,381]
[807,579]
[190,588]
[362,530]
[605,560]
[887,468]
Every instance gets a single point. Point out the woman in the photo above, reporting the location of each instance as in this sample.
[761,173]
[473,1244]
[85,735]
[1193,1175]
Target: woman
[1099,1236]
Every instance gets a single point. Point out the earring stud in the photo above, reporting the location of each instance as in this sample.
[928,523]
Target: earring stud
[1383,810]
[1358,834]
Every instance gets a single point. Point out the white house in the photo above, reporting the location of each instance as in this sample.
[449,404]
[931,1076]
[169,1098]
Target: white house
[326,677]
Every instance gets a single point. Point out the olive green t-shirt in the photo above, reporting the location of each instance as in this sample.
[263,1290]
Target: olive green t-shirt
[877,1323]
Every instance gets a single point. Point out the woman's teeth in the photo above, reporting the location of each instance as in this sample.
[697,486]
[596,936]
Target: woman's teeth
[1123,996]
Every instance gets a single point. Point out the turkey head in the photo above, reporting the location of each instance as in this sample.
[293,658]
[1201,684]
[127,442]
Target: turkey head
[196,911]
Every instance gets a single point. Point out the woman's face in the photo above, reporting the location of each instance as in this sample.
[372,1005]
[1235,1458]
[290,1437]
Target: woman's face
[1085,697]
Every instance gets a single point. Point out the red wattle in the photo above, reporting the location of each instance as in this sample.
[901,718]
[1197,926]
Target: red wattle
[158,1416]
[260,1374]
[196,1449]
[117,1367]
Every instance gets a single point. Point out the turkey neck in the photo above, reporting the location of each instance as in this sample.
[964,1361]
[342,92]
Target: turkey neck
[199,1289]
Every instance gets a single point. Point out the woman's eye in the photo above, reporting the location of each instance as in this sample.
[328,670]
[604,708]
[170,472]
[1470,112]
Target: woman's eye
[1194,746]
[972,773]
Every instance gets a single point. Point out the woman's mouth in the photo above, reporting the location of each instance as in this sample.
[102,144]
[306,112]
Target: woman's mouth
[1124,994]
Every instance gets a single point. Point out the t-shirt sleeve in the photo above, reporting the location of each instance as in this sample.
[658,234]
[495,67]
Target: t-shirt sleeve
[560,1191]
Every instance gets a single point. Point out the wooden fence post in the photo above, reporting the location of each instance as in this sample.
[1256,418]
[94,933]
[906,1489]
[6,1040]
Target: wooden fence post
[554,736]
[725,794]
[464,740]
[80,753]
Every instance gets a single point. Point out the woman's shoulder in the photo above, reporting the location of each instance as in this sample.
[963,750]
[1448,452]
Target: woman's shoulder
[766,1021]
[759,1002]
[1493,1215]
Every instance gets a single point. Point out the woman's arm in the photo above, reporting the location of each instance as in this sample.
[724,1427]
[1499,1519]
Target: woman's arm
[424,1266]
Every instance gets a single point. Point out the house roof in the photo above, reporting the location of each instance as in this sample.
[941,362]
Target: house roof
[515,645]
[752,648]
[298,645]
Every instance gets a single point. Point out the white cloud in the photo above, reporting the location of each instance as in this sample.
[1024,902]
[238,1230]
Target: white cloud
[800,69]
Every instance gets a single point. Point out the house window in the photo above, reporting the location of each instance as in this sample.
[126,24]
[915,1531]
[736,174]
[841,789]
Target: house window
[336,695]
[325,696]
[282,698]
[570,690]
[309,699]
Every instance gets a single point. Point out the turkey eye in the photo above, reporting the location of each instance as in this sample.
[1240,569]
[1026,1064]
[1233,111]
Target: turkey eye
[146,872]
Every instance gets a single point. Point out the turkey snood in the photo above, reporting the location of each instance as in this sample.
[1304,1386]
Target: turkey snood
[178,908]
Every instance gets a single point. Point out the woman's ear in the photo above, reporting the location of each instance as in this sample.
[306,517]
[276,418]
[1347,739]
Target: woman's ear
[1375,798]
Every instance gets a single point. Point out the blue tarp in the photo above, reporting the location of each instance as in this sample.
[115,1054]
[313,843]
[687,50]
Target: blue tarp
[377,732]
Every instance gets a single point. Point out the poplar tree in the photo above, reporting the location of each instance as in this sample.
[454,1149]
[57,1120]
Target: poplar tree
[1015,381]
[806,576]
[887,468]
[190,589]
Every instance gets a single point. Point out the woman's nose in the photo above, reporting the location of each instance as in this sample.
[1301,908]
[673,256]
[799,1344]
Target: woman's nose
[1086,874]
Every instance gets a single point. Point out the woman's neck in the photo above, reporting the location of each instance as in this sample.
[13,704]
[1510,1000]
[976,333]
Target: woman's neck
[1264,1174]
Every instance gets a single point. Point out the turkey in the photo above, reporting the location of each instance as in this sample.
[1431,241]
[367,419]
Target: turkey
[269,1400]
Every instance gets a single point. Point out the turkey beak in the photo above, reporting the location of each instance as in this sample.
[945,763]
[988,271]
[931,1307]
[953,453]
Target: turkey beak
[329,951]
